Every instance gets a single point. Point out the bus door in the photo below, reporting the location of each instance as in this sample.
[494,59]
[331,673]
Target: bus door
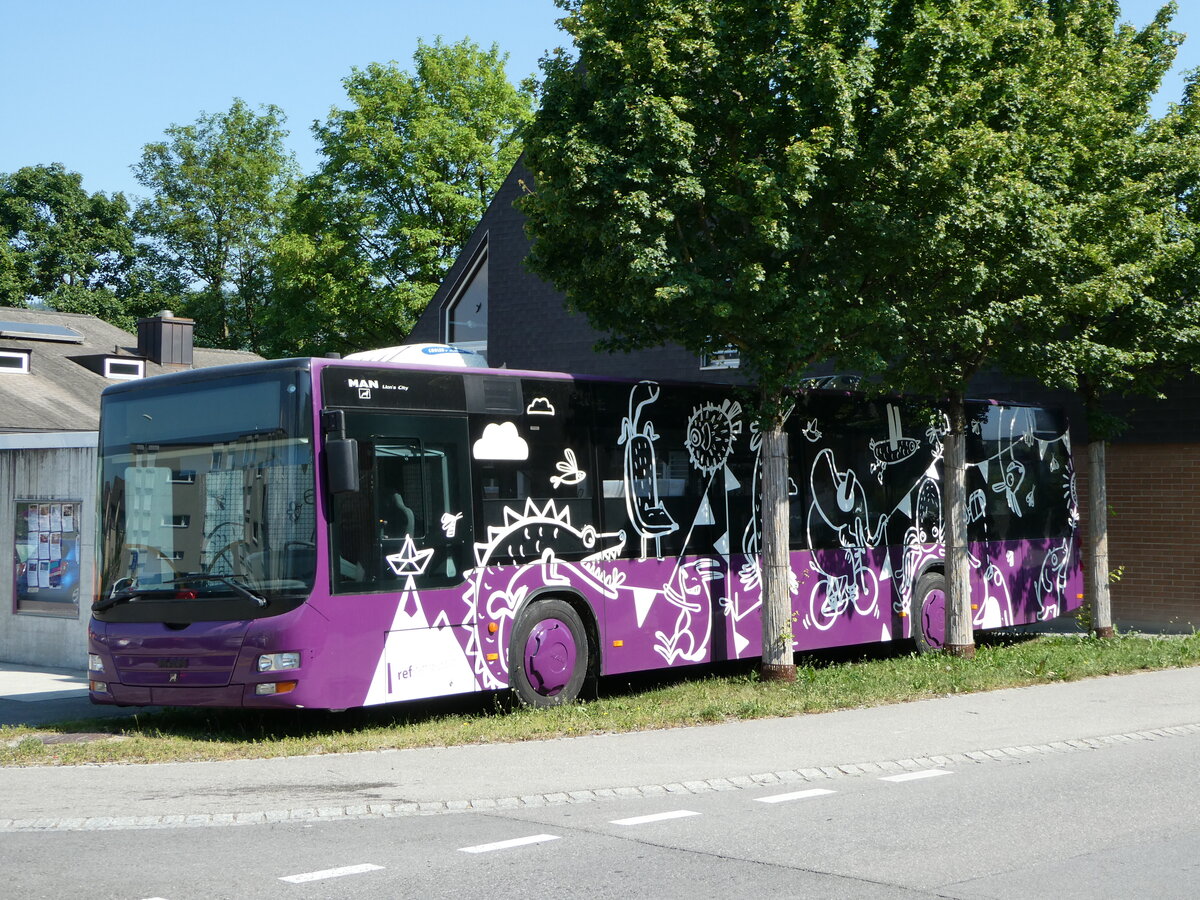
[411,515]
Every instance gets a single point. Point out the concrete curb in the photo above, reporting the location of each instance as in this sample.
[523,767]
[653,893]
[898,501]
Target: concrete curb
[558,798]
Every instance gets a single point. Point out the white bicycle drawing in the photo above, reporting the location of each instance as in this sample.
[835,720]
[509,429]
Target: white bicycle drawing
[832,595]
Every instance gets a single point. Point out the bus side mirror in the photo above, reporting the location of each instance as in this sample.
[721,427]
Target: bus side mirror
[341,465]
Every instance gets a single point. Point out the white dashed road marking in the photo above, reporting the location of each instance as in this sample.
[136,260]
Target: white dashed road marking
[330,873]
[794,795]
[656,817]
[913,776]
[507,845]
[538,801]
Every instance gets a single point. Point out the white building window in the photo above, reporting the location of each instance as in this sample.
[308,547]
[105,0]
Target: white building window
[465,321]
[124,369]
[725,358]
[14,360]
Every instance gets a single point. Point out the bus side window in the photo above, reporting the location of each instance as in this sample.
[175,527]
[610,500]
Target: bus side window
[416,501]
[412,498]
[353,526]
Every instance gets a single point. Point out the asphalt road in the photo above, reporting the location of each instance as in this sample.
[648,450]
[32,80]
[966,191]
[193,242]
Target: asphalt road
[1112,820]
[1066,790]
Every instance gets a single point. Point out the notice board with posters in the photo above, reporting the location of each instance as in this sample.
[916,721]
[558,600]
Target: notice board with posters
[46,556]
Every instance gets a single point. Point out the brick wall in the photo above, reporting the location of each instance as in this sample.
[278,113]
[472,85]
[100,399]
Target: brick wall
[1153,492]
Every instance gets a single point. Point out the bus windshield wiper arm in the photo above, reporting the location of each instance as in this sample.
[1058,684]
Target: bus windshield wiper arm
[116,597]
[240,589]
[128,594]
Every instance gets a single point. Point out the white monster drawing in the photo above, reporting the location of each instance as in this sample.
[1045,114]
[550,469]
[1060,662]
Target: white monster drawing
[896,448]
[646,511]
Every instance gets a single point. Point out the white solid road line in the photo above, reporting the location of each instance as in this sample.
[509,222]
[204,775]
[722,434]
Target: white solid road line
[795,795]
[913,776]
[505,845]
[330,873]
[656,817]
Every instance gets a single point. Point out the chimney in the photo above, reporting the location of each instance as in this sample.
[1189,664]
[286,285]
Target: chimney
[165,339]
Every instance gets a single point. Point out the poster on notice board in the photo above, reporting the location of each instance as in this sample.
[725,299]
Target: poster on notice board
[46,555]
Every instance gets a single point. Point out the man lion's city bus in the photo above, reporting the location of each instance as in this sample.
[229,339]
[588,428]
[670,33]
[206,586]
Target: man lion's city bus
[326,534]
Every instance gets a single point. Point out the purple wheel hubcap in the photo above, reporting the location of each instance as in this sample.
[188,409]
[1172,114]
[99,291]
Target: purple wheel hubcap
[933,617]
[549,656]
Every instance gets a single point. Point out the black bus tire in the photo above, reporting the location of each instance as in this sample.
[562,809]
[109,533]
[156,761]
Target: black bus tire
[548,656]
[929,612]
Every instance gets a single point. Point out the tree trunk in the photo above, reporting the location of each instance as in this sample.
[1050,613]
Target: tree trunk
[777,660]
[1102,626]
[960,638]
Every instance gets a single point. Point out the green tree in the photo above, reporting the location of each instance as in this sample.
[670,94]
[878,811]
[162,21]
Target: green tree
[888,183]
[1134,321]
[62,247]
[1022,197]
[219,193]
[690,173]
[408,171]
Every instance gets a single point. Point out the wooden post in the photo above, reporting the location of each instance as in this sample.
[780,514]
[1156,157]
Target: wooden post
[960,638]
[1102,626]
[778,662]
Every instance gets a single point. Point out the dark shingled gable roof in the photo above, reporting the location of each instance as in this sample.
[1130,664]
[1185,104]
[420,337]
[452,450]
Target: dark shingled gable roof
[60,392]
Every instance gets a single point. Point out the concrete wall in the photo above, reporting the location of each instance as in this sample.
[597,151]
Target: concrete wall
[47,467]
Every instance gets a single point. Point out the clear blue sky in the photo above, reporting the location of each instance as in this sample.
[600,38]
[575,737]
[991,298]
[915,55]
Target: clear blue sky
[89,82]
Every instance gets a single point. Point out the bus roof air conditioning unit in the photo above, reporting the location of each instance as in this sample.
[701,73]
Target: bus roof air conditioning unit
[446,355]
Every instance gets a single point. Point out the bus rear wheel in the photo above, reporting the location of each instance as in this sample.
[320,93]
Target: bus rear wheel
[929,612]
[548,657]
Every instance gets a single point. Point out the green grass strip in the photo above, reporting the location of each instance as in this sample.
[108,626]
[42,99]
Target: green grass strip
[838,680]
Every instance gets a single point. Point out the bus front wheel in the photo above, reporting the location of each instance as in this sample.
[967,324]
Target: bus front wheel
[548,657]
[929,612]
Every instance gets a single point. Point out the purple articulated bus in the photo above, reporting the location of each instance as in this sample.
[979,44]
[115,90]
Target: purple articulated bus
[335,533]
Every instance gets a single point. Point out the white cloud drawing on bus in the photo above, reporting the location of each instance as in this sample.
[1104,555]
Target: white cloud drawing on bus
[540,406]
[501,441]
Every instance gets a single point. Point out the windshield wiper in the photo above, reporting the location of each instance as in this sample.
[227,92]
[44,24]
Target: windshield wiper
[240,589]
[117,597]
[128,594]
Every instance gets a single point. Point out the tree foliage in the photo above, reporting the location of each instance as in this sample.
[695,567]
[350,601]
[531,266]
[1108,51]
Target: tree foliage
[918,188]
[689,177]
[409,168]
[220,189]
[62,247]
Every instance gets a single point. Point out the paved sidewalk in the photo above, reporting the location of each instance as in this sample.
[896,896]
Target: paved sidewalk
[973,729]
[32,684]
[36,695]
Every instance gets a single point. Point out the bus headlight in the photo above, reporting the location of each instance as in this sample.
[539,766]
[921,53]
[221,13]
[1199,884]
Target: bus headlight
[276,662]
[95,663]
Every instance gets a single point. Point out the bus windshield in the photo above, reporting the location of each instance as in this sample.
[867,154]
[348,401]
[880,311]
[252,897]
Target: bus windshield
[207,498]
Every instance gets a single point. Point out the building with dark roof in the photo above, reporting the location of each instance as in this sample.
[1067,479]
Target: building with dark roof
[53,367]
[490,302]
